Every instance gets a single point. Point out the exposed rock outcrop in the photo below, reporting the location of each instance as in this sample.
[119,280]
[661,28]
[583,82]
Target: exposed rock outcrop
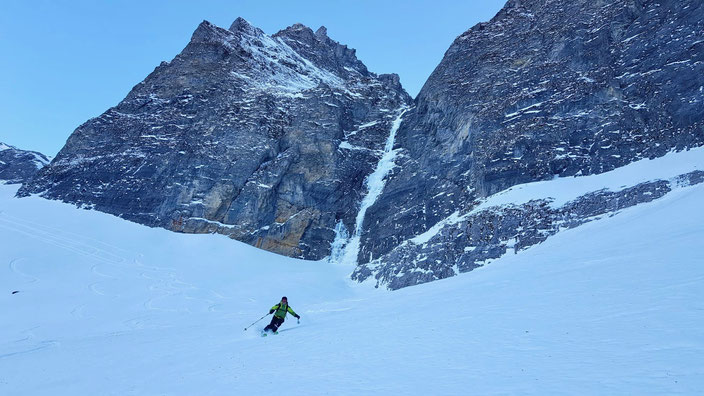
[18,166]
[547,88]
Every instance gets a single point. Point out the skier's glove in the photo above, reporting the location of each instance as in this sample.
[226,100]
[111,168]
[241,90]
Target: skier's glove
[271,311]
[298,316]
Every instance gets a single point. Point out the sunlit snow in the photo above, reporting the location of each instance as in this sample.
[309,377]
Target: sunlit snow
[108,307]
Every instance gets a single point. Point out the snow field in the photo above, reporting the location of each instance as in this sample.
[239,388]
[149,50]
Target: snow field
[108,307]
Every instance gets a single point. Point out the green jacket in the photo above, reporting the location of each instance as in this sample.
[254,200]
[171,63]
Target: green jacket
[281,309]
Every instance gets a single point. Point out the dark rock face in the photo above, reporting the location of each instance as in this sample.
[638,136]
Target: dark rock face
[268,139]
[477,238]
[18,166]
[263,138]
[546,88]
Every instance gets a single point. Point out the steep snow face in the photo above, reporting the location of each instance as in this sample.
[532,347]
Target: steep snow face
[108,306]
[266,139]
[18,166]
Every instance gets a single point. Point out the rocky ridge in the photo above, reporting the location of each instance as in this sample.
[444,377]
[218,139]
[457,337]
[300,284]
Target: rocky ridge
[18,166]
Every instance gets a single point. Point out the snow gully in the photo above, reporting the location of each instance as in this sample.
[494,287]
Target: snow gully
[345,247]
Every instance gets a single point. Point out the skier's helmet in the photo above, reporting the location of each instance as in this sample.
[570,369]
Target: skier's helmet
[284,298]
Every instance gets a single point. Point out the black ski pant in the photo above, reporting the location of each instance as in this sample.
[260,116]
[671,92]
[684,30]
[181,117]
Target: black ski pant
[276,322]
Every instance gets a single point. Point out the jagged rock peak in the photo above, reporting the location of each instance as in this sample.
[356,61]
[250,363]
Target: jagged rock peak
[207,31]
[321,32]
[315,46]
[298,31]
[241,24]
[298,26]
[326,51]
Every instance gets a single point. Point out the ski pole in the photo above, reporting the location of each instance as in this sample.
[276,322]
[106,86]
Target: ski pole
[245,329]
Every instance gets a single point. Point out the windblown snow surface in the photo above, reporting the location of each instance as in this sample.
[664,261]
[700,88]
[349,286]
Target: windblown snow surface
[108,307]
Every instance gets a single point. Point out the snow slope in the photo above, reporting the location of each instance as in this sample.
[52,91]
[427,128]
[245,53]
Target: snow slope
[108,307]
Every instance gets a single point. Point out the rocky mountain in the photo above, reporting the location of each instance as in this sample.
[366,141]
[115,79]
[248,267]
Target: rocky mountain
[289,143]
[546,89]
[266,139]
[18,166]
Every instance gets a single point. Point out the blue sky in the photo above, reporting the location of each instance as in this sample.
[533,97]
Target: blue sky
[64,62]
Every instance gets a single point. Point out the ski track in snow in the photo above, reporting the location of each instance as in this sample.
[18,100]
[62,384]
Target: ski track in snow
[55,238]
[112,272]
[14,269]
[42,345]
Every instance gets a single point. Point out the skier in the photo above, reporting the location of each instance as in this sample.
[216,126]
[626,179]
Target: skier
[279,310]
